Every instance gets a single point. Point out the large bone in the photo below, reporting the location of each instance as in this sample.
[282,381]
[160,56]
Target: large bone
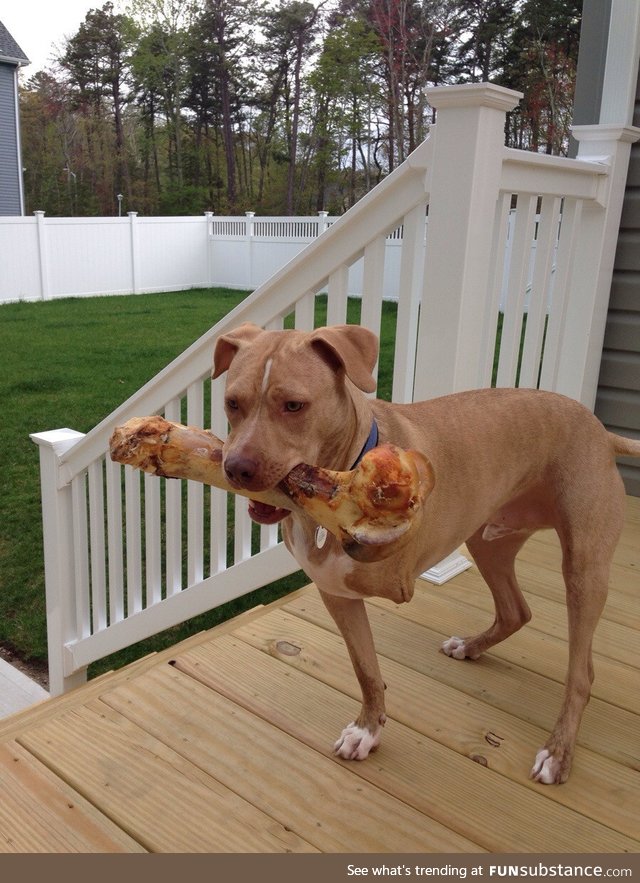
[371,505]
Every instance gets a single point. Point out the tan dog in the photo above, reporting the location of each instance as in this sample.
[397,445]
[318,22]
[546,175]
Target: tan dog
[505,464]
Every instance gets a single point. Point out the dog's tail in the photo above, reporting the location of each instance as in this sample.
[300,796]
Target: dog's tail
[625,447]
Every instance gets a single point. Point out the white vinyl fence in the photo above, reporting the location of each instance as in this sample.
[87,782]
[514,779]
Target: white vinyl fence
[46,258]
[128,555]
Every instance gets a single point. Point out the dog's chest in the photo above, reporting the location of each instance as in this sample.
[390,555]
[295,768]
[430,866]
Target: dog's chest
[320,556]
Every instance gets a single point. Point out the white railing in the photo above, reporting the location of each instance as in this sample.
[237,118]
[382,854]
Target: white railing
[127,555]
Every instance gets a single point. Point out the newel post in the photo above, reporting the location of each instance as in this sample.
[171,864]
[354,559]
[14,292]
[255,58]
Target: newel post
[464,185]
[57,523]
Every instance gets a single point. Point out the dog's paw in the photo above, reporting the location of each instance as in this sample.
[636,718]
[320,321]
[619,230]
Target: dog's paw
[457,648]
[548,769]
[356,742]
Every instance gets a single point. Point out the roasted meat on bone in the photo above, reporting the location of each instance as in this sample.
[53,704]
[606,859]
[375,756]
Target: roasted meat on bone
[371,505]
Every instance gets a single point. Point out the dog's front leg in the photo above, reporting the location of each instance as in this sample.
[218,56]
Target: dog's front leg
[363,734]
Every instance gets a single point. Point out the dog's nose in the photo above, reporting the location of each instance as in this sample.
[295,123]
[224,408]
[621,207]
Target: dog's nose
[240,470]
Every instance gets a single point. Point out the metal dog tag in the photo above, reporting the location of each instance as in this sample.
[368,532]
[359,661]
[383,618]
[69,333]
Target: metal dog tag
[321,536]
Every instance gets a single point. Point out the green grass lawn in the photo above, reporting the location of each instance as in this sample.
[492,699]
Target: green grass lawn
[69,363]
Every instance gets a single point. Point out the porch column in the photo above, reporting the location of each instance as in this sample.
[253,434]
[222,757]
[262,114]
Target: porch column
[464,185]
[579,360]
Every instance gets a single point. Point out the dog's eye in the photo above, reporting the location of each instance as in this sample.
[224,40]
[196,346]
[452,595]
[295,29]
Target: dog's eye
[292,407]
[232,404]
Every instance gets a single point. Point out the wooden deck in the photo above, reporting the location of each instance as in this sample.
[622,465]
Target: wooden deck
[223,745]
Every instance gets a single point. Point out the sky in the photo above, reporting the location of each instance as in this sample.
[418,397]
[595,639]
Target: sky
[38,26]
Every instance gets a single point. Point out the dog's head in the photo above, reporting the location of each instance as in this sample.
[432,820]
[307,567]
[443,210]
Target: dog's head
[289,398]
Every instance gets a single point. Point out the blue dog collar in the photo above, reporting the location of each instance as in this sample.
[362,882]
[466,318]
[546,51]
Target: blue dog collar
[370,443]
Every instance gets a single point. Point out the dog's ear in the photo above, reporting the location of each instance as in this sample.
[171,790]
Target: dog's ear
[228,345]
[352,348]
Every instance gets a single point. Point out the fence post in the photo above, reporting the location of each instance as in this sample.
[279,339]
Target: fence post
[249,234]
[57,525]
[208,245]
[464,186]
[43,256]
[578,363]
[322,222]
[133,245]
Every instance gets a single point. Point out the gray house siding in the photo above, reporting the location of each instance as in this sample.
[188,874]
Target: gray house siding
[10,179]
[618,400]
[11,58]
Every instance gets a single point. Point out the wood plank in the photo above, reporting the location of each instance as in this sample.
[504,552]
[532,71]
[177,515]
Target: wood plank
[41,813]
[615,682]
[44,711]
[468,726]
[161,800]
[418,770]
[611,639]
[284,778]
[621,606]
[605,729]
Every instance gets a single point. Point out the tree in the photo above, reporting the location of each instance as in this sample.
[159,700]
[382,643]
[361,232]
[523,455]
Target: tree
[95,60]
[486,28]
[161,69]
[219,40]
[346,90]
[290,31]
[410,32]
[541,61]
[190,105]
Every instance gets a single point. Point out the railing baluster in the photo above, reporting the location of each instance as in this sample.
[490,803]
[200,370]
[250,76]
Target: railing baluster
[173,518]
[195,495]
[242,530]
[305,312]
[523,235]
[337,295]
[540,287]
[496,276]
[373,286]
[268,536]
[114,541]
[81,554]
[134,540]
[409,292]
[569,233]
[152,540]
[97,546]
[218,537]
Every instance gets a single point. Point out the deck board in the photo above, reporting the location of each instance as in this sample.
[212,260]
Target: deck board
[223,743]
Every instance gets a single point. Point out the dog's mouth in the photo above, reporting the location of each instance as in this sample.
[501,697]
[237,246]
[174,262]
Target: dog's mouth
[263,513]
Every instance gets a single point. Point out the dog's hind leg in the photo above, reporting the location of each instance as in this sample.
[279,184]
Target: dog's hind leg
[589,531]
[363,734]
[586,586]
[495,559]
